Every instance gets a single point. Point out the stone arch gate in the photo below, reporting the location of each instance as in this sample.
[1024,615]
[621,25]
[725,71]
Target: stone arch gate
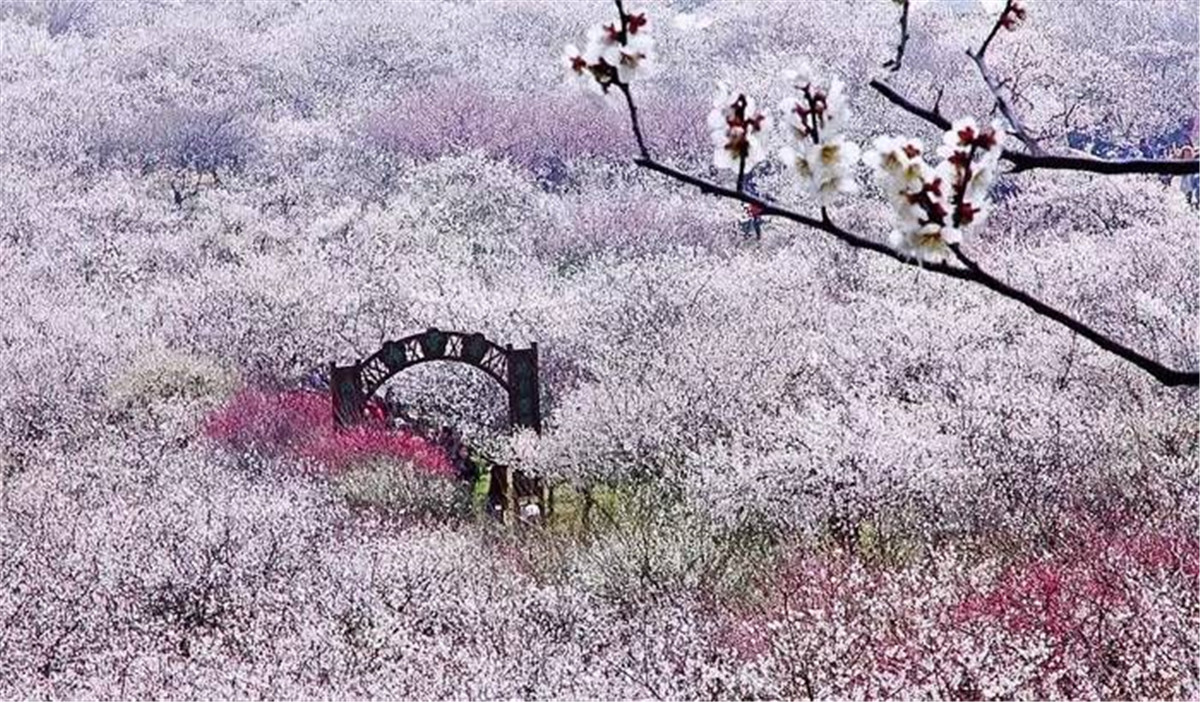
[516,370]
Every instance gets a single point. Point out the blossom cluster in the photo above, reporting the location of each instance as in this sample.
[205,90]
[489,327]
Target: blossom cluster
[1014,15]
[737,127]
[936,206]
[617,53]
[817,150]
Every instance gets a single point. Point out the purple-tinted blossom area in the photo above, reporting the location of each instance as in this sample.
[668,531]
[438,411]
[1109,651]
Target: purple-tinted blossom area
[539,130]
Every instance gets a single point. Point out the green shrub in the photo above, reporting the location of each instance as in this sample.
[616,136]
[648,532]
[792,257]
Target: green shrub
[643,540]
[400,489]
[166,375]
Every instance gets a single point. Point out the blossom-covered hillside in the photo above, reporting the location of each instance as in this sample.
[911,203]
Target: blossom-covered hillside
[800,446]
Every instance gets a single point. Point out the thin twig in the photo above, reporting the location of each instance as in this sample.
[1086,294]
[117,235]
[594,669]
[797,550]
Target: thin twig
[624,88]
[1006,108]
[1010,114]
[995,29]
[1061,383]
[964,259]
[1026,162]
[932,116]
[893,64]
[633,120]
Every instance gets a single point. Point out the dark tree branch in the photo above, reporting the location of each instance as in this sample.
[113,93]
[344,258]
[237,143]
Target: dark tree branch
[932,116]
[1150,166]
[624,88]
[964,259]
[633,120]
[1018,128]
[1026,162]
[995,29]
[972,272]
[894,63]
[1010,114]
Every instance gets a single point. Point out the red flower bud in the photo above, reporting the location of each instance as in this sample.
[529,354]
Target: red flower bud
[986,139]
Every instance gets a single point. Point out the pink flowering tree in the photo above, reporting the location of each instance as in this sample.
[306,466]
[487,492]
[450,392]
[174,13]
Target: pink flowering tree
[296,424]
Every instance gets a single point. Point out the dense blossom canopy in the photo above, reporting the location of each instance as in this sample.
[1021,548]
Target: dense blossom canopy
[788,468]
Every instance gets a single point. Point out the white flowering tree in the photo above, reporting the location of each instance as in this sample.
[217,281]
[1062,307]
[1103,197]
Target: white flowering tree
[937,208]
[822,471]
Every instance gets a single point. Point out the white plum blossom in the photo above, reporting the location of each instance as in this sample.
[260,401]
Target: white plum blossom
[971,155]
[736,126]
[634,59]
[817,107]
[630,51]
[935,207]
[928,242]
[827,169]
[898,162]
[813,121]
[893,155]
[616,53]
[1014,15]
[579,73]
